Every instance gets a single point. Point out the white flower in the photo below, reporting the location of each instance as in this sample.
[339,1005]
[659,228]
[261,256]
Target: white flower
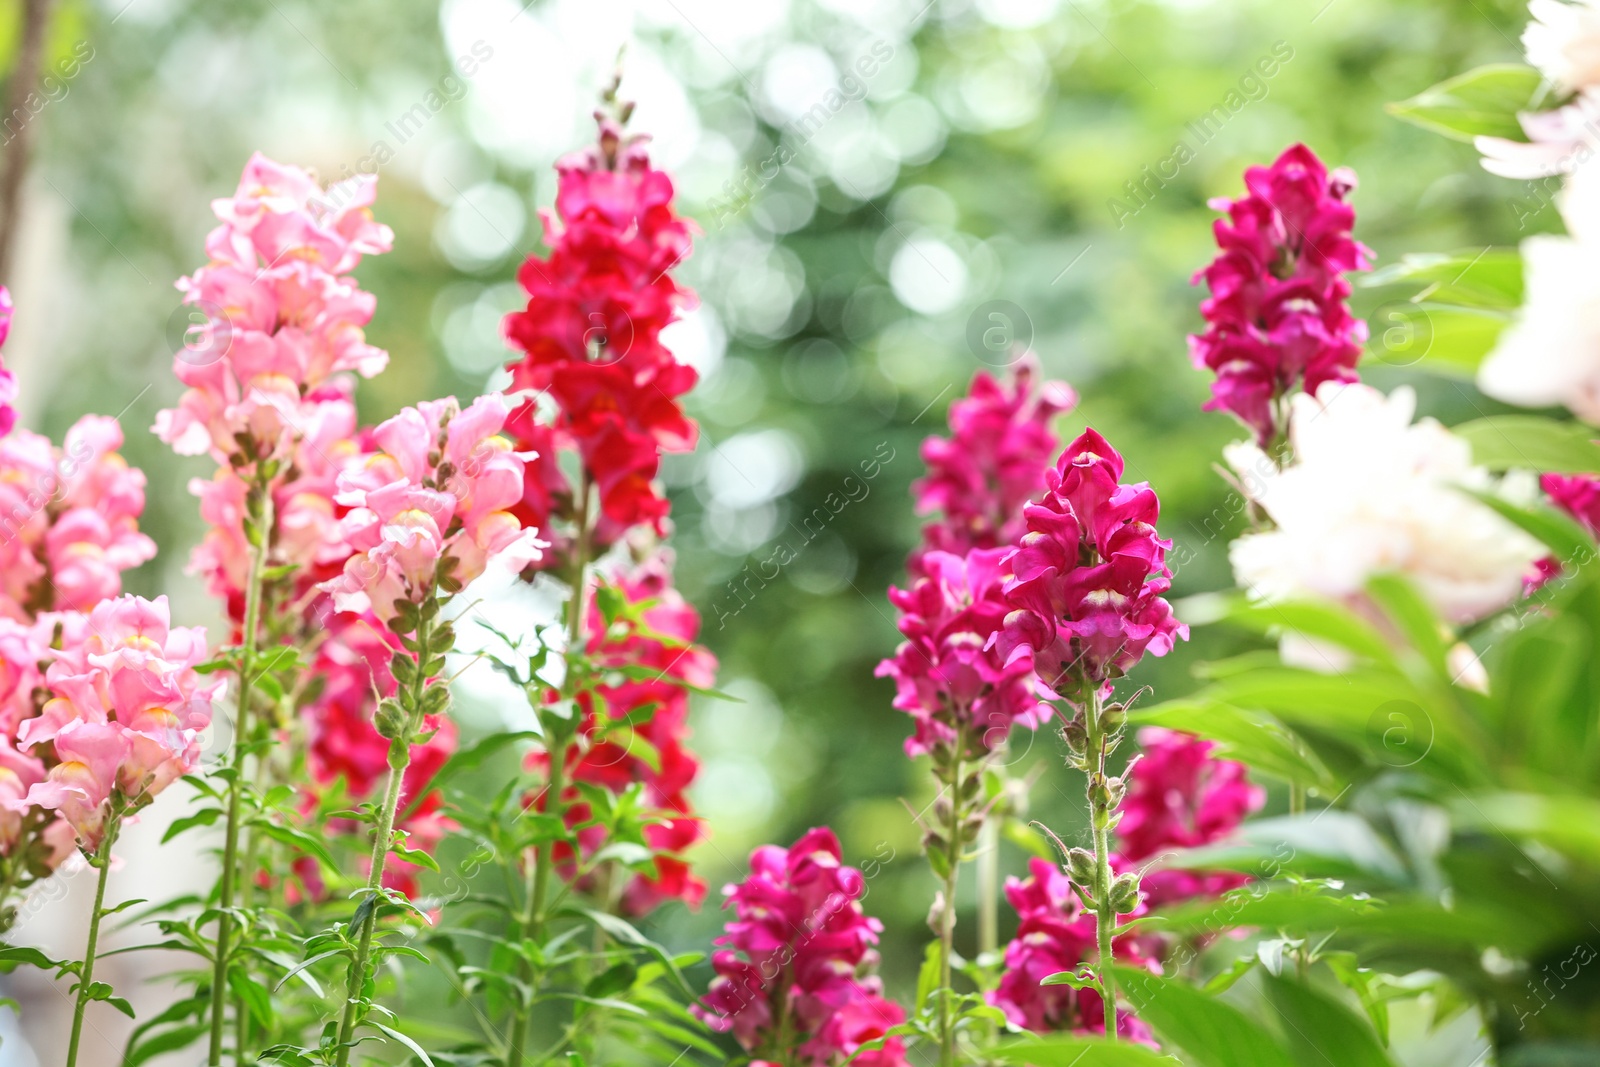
[1563,41]
[1551,354]
[1560,141]
[1370,492]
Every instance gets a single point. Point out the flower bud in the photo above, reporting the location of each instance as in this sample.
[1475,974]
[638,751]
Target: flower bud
[1125,893]
[390,719]
[1113,717]
[1081,866]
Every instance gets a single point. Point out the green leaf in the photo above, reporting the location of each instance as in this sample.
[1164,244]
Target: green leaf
[173,1040]
[927,975]
[1564,537]
[1253,738]
[1413,617]
[1079,1052]
[475,754]
[1504,442]
[14,954]
[613,979]
[298,839]
[318,958]
[1444,339]
[1481,102]
[1212,1033]
[622,930]
[415,1048]
[1086,980]
[1314,1023]
[203,817]
[1490,279]
[1320,620]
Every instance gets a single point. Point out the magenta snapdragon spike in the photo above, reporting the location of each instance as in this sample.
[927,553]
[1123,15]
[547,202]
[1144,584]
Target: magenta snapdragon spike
[1182,796]
[1088,578]
[794,985]
[993,462]
[1055,934]
[1576,494]
[1277,319]
[950,676]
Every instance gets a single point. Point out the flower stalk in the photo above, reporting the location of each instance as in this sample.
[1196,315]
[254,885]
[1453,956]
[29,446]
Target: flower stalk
[398,720]
[257,530]
[102,863]
[1103,901]
[557,733]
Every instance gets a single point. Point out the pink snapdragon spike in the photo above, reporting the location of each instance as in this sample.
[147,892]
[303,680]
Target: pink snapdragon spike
[308,537]
[801,945]
[69,519]
[1087,580]
[1180,796]
[993,462]
[950,674]
[8,381]
[1277,319]
[124,714]
[438,490]
[1055,934]
[277,315]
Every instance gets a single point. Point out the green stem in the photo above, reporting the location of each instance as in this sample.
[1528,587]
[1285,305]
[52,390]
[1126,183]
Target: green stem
[536,916]
[947,920]
[102,860]
[1105,917]
[989,886]
[260,521]
[399,760]
[1297,798]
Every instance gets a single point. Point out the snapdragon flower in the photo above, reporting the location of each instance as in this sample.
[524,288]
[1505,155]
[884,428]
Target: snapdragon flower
[1277,320]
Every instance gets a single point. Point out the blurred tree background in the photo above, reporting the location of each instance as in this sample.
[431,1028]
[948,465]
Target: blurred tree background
[958,171]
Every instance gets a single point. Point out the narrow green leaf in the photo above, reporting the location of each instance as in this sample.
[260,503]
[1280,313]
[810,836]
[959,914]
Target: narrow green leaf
[1213,1034]
[1530,442]
[1481,102]
[415,1048]
[1315,1023]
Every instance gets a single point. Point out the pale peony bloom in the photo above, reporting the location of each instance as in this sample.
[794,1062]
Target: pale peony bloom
[1560,141]
[1563,42]
[1369,493]
[1551,354]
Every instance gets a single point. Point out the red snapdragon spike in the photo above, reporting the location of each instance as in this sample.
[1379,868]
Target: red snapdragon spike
[1181,796]
[1277,318]
[799,941]
[591,332]
[665,646]
[1088,577]
[1055,934]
